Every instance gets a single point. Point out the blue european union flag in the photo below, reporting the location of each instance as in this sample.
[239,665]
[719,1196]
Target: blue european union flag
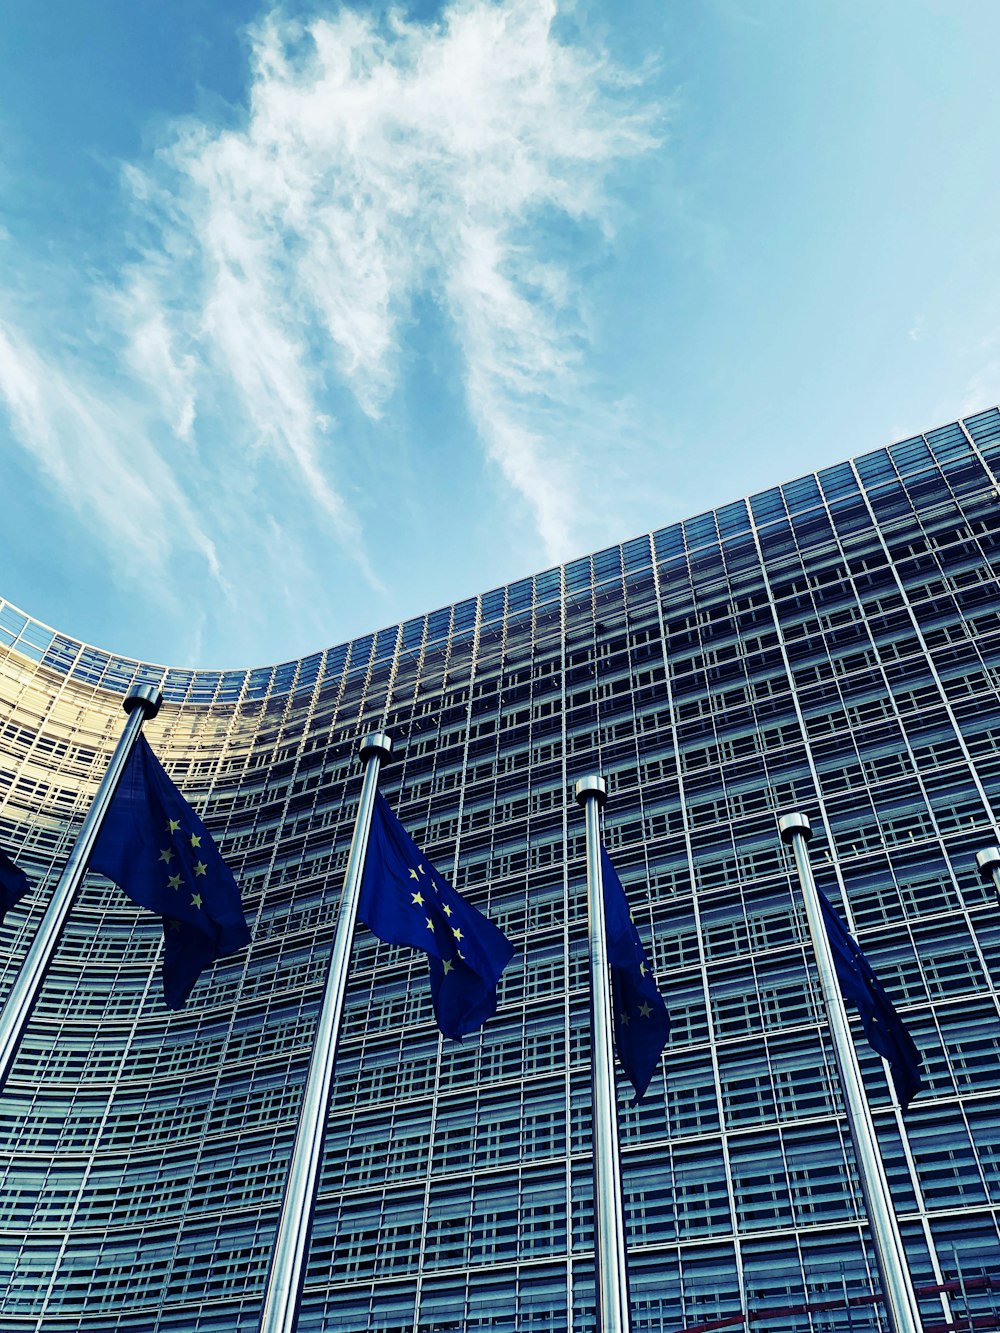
[13,884]
[157,850]
[405,901]
[882,1025]
[641,1021]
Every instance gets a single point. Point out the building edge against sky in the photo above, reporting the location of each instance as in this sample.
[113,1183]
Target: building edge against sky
[831,645]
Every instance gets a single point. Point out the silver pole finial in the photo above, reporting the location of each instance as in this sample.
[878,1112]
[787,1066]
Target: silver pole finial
[146,697]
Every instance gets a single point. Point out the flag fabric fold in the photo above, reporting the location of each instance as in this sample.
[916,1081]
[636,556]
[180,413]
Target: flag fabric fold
[405,901]
[641,1021]
[13,884]
[881,1024]
[157,850]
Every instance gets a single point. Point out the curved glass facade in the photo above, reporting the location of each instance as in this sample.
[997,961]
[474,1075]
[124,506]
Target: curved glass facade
[832,646]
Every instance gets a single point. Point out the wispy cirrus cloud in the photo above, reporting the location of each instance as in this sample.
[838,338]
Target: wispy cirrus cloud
[379,162]
[275,268]
[80,440]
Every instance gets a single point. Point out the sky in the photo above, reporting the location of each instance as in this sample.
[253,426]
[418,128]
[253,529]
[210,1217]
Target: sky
[320,316]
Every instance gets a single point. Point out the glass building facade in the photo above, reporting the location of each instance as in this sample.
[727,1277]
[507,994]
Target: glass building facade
[830,646]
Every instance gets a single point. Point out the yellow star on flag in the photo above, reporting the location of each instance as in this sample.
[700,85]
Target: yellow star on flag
[200,867]
[167,855]
[173,825]
[418,898]
[645,1009]
[196,900]
[448,965]
[174,881]
[195,840]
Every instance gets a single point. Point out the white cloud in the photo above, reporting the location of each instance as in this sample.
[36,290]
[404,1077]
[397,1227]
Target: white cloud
[152,354]
[379,163]
[93,449]
[275,276]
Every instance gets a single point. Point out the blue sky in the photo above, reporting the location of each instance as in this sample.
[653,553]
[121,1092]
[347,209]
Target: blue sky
[316,317]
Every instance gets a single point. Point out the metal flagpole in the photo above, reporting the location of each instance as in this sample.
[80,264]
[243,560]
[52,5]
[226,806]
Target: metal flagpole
[897,1287]
[141,702]
[613,1313]
[288,1260]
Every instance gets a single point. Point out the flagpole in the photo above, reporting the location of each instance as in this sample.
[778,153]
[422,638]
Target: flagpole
[286,1275]
[613,1312]
[897,1286]
[141,702]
